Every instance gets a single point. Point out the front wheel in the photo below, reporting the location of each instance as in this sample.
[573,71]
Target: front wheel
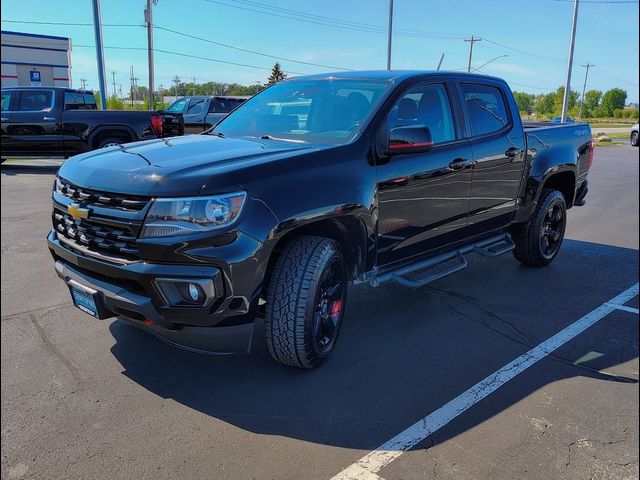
[538,241]
[306,297]
[634,139]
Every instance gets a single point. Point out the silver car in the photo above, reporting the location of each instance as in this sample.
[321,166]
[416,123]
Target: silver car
[634,135]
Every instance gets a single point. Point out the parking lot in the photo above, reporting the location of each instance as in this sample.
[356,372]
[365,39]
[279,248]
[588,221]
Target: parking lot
[83,398]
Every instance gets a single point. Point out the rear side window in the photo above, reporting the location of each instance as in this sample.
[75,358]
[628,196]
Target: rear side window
[6,100]
[223,105]
[36,101]
[426,105]
[89,101]
[486,109]
[73,101]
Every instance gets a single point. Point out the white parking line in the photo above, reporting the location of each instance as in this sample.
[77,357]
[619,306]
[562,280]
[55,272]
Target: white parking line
[626,309]
[367,467]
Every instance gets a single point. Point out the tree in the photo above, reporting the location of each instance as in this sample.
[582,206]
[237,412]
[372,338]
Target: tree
[544,104]
[277,75]
[114,103]
[612,100]
[591,102]
[559,100]
[525,102]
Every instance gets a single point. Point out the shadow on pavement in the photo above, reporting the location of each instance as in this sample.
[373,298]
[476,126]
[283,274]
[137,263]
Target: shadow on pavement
[404,353]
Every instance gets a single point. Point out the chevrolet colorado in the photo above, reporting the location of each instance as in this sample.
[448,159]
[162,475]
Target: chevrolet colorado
[61,122]
[255,229]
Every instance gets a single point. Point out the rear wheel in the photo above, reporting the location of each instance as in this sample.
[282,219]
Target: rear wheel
[634,139]
[305,298]
[539,240]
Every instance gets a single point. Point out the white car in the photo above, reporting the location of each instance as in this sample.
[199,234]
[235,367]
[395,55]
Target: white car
[634,135]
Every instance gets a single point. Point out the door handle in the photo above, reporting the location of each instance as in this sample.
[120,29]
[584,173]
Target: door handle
[460,163]
[512,152]
[4,119]
[48,118]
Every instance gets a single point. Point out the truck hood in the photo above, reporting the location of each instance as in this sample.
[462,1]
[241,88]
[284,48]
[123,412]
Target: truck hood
[177,166]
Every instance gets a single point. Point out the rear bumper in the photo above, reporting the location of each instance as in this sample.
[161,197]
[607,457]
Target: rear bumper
[581,194]
[139,311]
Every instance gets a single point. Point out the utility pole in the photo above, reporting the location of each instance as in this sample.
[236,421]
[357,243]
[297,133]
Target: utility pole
[97,25]
[193,87]
[83,82]
[176,81]
[471,41]
[389,34]
[113,78]
[584,87]
[131,79]
[120,90]
[148,18]
[440,62]
[567,84]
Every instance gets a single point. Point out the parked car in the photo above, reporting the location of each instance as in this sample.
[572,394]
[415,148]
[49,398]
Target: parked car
[395,176]
[634,135]
[61,122]
[203,112]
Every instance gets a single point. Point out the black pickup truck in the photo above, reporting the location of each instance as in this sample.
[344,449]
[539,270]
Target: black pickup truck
[254,229]
[61,122]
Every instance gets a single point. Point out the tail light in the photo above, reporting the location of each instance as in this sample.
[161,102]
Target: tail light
[592,148]
[157,122]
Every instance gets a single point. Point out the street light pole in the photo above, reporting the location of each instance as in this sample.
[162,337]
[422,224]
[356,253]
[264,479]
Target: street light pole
[584,87]
[567,84]
[485,64]
[148,18]
[97,26]
[389,34]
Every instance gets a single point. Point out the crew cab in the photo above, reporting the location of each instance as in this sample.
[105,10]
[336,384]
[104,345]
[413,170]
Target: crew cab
[61,122]
[203,112]
[374,177]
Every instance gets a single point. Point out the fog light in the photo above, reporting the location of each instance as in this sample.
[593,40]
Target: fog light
[194,292]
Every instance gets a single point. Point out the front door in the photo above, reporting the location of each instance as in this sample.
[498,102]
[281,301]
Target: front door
[423,198]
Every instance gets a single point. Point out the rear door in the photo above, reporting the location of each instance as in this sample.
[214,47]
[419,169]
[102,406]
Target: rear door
[423,198]
[498,143]
[33,127]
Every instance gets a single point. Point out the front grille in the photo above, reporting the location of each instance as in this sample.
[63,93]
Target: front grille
[100,238]
[109,200]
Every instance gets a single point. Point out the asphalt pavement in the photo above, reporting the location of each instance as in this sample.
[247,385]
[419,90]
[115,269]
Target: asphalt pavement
[83,398]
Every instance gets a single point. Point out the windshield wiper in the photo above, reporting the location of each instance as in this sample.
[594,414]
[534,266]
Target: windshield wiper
[269,137]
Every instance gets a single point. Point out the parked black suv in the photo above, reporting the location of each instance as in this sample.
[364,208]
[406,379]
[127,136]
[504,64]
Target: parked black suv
[377,176]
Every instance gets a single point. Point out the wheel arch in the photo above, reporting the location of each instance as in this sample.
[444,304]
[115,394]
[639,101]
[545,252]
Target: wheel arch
[103,131]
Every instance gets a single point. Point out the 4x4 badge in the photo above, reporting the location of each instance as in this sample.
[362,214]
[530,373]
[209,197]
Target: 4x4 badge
[78,212]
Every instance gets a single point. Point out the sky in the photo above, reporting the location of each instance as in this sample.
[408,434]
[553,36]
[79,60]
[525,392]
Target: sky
[345,34]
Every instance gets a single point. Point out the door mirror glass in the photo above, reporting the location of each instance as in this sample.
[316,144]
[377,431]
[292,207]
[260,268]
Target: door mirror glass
[409,139]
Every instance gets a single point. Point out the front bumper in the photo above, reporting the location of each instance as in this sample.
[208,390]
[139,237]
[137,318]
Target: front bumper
[130,291]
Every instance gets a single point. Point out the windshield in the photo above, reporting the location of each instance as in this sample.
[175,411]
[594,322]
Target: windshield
[315,111]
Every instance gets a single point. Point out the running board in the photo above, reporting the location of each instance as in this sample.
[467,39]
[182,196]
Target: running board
[426,271]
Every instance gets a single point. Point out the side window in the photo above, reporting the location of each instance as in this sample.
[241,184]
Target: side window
[485,107]
[177,106]
[73,101]
[89,101]
[36,101]
[195,107]
[6,101]
[426,105]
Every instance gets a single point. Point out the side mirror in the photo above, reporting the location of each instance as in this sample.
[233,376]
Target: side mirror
[409,139]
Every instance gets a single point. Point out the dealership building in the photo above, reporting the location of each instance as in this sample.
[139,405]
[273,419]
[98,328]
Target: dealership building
[33,59]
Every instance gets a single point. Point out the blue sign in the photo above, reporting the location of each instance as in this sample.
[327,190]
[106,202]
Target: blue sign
[35,76]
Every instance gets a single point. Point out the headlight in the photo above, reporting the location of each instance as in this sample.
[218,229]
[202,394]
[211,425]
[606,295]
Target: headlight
[181,216]
[58,186]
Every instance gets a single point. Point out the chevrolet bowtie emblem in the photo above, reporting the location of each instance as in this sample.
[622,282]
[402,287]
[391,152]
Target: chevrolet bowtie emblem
[78,212]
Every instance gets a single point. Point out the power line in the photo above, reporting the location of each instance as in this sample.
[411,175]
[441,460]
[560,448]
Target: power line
[75,24]
[253,52]
[610,2]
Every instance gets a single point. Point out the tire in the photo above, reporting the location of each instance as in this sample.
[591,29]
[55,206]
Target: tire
[305,302]
[634,139]
[109,142]
[539,241]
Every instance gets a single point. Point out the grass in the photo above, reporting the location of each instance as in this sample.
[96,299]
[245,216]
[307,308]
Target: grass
[608,144]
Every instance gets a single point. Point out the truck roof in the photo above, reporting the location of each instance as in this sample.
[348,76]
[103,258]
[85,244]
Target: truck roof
[47,87]
[389,75]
